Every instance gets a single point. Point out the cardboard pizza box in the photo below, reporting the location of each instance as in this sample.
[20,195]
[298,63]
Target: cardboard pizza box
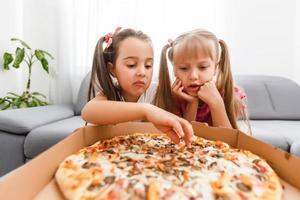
[35,179]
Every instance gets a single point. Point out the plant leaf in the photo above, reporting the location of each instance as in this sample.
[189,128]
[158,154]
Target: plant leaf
[47,53]
[22,105]
[10,98]
[20,54]
[36,98]
[35,102]
[2,100]
[7,58]
[14,94]
[38,94]
[22,42]
[15,103]
[45,65]
[41,57]
[39,54]
[7,106]
[6,99]
[41,103]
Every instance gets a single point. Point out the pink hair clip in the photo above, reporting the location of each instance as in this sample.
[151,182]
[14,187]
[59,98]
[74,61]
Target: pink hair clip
[170,42]
[109,36]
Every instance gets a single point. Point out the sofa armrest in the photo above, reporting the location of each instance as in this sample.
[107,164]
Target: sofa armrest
[21,121]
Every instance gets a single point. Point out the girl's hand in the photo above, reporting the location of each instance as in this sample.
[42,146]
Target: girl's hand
[177,89]
[174,126]
[210,94]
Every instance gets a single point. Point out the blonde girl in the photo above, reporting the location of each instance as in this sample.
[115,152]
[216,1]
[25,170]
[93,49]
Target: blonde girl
[204,89]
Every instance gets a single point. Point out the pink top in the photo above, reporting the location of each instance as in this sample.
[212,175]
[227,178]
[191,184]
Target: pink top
[203,112]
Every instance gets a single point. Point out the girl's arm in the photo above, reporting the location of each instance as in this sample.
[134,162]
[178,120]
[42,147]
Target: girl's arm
[100,111]
[210,95]
[191,110]
[192,102]
[219,115]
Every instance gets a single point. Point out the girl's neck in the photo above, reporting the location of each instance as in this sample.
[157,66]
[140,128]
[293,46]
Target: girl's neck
[200,103]
[129,98]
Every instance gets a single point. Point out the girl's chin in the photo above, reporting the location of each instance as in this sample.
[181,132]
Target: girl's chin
[194,94]
[139,93]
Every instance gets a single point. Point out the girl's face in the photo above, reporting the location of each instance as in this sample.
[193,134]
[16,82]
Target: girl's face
[133,68]
[194,72]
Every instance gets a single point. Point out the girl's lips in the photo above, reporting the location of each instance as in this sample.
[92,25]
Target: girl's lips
[139,83]
[193,88]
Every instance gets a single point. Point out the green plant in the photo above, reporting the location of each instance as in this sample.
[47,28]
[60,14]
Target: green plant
[29,56]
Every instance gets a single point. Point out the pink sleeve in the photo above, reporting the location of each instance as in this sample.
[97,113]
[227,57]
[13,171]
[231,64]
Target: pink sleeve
[240,94]
[180,107]
[241,99]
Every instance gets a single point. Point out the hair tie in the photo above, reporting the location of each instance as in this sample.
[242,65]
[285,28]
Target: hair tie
[109,36]
[170,42]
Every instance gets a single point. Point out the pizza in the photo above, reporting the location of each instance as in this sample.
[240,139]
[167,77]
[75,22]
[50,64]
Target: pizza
[150,166]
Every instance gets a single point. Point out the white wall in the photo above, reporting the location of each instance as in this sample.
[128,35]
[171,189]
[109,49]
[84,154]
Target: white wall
[40,30]
[11,26]
[260,35]
[296,41]
[263,36]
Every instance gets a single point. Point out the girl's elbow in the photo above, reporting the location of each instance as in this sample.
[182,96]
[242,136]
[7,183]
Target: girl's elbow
[85,114]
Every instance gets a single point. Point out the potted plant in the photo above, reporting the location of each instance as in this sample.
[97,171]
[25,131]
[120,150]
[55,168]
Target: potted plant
[24,54]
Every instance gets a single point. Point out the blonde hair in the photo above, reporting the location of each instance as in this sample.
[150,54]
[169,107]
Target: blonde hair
[188,45]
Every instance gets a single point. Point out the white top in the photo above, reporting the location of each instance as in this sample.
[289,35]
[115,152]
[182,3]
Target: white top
[149,94]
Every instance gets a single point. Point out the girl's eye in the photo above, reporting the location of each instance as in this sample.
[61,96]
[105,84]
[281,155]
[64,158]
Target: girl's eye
[203,67]
[183,68]
[131,66]
[148,66]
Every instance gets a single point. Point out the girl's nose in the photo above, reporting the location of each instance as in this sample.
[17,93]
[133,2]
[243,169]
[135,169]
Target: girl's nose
[141,70]
[193,75]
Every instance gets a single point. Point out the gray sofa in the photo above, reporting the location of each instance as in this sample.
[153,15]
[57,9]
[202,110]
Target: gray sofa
[24,133]
[274,111]
[272,103]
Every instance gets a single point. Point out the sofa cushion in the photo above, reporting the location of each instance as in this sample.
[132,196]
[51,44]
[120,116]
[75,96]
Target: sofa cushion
[289,130]
[11,148]
[295,148]
[261,132]
[83,94]
[41,138]
[267,97]
[21,121]
[280,133]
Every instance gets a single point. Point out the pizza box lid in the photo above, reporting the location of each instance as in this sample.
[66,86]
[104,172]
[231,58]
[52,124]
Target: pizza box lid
[35,179]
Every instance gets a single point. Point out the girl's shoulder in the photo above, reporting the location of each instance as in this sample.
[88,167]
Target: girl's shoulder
[241,103]
[98,89]
[239,92]
[149,94]
[152,88]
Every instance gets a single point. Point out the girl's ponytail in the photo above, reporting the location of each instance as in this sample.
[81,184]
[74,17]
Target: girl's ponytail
[235,107]
[225,83]
[100,75]
[95,74]
[163,97]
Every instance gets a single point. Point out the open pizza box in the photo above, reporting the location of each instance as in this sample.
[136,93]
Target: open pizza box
[35,179]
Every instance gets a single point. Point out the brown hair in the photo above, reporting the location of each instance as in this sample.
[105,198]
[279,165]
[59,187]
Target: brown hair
[100,72]
[189,44]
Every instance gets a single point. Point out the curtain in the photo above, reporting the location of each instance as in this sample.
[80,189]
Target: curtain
[81,23]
